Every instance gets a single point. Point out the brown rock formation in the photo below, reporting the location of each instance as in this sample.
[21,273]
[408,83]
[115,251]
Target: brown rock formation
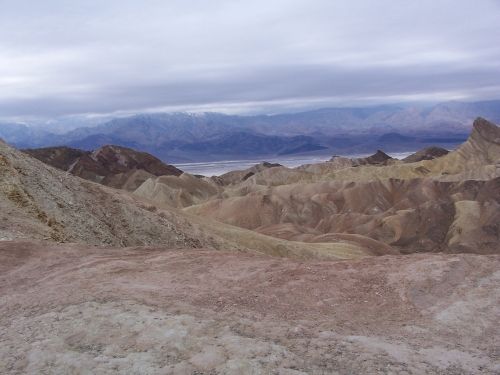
[114,166]
[428,153]
[378,158]
[235,177]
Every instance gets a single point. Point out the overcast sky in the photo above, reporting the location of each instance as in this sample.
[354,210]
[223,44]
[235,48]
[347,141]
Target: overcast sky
[84,56]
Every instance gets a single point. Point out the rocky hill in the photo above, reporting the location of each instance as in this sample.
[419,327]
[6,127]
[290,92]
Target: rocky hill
[114,166]
[427,153]
[41,202]
[235,177]
[449,204]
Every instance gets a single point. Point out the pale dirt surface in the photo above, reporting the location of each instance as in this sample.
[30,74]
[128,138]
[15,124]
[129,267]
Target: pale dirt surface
[73,309]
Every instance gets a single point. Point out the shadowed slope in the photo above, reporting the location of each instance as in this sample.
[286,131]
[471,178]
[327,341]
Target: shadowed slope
[427,153]
[235,177]
[114,166]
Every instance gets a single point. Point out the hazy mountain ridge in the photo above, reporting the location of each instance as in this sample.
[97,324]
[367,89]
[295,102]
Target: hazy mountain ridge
[215,136]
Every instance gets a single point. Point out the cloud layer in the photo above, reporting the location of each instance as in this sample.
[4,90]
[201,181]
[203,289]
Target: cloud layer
[59,57]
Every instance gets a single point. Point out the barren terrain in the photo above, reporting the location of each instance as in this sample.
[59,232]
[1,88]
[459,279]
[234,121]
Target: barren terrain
[270,270]
[75,309]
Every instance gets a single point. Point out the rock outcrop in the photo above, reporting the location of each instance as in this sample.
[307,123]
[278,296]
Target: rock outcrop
[234,177]
[482,148]
[378,158]
[114,166]
[183,191]
[60,157]
[427,153]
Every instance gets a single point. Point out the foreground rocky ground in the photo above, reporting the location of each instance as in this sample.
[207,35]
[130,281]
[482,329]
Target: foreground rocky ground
[74,309]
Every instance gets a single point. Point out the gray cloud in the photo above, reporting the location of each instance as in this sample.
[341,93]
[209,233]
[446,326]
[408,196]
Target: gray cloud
[59,58]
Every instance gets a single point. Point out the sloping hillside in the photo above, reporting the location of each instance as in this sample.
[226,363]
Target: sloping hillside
[41,202]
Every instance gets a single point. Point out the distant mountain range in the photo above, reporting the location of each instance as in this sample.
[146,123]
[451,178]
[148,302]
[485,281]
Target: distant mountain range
[177,137]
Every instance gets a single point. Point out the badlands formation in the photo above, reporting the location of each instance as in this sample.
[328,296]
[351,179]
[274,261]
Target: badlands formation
[114,262]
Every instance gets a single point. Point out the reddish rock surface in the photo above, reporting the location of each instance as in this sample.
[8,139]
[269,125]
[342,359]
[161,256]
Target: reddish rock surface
[68,308]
